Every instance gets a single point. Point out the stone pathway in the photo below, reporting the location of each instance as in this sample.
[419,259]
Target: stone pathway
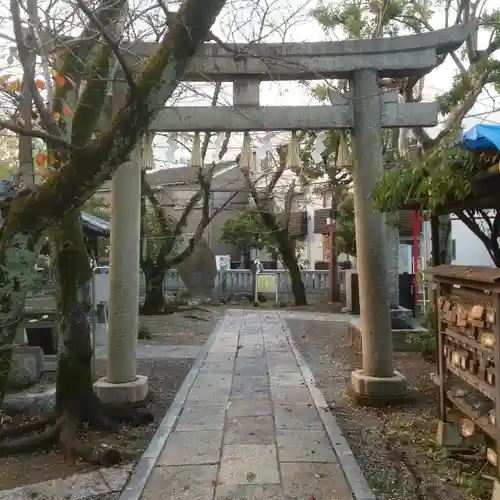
[252,426]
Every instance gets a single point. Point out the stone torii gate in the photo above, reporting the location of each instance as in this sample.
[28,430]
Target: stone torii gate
[366,110]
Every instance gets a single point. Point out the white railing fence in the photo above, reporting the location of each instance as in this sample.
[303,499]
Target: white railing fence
[238,281]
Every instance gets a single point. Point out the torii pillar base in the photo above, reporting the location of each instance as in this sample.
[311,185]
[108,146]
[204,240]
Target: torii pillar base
[380,392]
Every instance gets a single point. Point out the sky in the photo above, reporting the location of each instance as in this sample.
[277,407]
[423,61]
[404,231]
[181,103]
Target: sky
[287,20]
[304,29]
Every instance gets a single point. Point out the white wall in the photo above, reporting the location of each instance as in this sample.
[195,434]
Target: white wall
[469,251]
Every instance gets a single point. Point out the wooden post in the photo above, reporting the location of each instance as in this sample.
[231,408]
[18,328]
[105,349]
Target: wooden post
[333,281]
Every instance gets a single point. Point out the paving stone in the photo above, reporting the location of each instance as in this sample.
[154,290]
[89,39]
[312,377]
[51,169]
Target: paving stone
[216,368]
[251,369]
[219,381]
[277,369]
[251,351]
[210,396]
[280,358]
[181,483]
[250,405]
[249,464]
[245,384]
[304,446]
[309,480]
[296,416]
[287,380]
[291,395]
[250,492]
[281,346]
[249,430]
[222,357]
[199,418]
[192,448]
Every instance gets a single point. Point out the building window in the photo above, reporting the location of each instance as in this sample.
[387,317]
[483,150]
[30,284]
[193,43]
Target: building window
[453,249]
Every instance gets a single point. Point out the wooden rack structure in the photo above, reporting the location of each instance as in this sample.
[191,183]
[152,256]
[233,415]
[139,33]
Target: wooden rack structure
[467,305]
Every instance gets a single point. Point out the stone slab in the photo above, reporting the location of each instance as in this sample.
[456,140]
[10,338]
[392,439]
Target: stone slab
[287,395]
[217,381]
[199,418]
[192,448]
[249,492]
[249,385]
[213,357]
[181,483]
[249,430]
[295,416]
[304,446]
[249,464]
[287,380]
[217,368]
[315,480]
[158,351]
[249,405]
[208,396]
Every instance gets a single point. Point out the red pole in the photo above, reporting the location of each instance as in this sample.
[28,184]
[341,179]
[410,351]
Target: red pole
[416,232]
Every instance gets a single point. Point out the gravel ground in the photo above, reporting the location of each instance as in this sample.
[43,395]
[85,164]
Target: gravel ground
[395,447]
[165,378]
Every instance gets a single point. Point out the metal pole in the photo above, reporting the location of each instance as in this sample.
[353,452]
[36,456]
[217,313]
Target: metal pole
[94,321]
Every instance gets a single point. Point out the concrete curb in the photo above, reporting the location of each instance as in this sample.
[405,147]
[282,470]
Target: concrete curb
[350,467]
[135,486]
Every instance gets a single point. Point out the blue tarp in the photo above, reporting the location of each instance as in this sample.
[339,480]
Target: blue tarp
[482,137]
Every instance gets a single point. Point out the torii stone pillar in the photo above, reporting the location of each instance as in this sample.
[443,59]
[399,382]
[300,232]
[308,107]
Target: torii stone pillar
[377,380]
[122,384]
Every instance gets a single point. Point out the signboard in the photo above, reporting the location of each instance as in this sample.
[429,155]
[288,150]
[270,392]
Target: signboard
[223,262]
[267,283]
[100,285]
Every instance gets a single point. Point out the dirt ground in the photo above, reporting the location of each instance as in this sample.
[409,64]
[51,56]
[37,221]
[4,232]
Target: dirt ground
[165,379]
[395,447]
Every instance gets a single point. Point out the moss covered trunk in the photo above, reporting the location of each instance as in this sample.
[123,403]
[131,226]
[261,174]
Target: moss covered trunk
[74,383]
[290,261]
[17,276]
[154,302]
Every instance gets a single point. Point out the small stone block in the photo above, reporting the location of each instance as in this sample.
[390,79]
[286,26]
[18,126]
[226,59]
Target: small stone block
[448,435]
[192,448]
[249,492]
[26,366]
[127,392]
[249,464]
[181,483]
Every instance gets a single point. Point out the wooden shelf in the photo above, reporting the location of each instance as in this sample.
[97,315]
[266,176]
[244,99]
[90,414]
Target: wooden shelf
[473,380]
[468,341]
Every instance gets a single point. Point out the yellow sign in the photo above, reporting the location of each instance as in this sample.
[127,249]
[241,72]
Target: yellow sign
[267,283]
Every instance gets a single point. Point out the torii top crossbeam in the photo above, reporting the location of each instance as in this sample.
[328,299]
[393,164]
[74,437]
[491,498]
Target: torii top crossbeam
[411,55]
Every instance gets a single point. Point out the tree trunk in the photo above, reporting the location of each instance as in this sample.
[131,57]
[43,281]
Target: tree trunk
[154,303]
[290,260]
[17,276]
[74,384]
[445,239]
